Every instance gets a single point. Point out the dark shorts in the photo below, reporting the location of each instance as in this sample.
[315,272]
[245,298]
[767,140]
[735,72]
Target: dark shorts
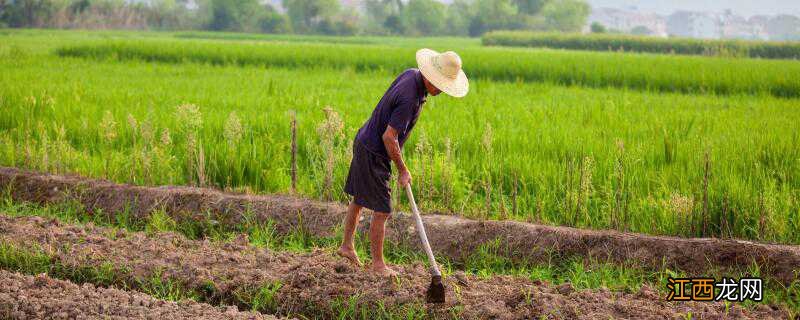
[368,180]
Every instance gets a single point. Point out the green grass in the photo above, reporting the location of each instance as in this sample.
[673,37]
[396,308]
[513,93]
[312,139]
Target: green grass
[630,43]
[561,155]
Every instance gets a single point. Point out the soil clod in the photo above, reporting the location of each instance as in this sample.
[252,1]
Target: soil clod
[314,284]
[41,297]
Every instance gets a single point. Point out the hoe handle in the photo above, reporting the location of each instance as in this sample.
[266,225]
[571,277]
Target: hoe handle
[421,232]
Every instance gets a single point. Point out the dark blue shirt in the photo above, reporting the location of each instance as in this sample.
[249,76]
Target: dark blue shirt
[400,107]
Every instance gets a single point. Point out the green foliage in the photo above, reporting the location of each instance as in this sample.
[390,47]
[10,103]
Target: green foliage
[492,15]
[273,22]
[261,299]
[597,27]
[14,259]
[382,17]
[165,288]
[565,15]
[424,17]
[309,15]
[25,13]
[263,235]
[233,15]
[458,17]
[532,7]
[159,221]
[615,42]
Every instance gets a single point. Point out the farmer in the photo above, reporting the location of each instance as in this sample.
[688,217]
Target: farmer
[381,139]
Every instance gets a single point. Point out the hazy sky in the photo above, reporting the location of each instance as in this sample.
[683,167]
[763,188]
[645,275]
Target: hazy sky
[745,8]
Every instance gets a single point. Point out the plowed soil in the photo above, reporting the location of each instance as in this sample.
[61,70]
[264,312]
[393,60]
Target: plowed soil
[41,297]
[310,282]
[450,236]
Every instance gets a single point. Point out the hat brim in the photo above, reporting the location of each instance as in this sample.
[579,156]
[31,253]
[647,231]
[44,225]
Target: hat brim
[457,87]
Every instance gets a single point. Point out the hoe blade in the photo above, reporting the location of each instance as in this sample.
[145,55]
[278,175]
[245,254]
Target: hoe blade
[435,292]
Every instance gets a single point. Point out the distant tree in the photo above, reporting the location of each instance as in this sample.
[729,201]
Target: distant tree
[233,15]
[598,27]
[4,6]
[531,7]
[383,16]
[308,16]
[393,24]
[458,16]
[26,13]
[341,24]
[566,15]
[423,17]
[171,15]
[641,31]
[493,15]
[271,21]
[79,6]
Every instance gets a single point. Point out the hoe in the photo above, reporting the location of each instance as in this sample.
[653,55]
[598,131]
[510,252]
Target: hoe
[435,292]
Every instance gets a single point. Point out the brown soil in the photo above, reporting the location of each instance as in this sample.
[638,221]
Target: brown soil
[453,237]
[41,297]
[310,282]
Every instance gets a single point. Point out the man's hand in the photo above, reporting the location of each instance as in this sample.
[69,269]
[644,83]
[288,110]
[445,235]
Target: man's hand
[404,178]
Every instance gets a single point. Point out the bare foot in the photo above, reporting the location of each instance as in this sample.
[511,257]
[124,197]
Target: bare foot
[350,255]
[383,270]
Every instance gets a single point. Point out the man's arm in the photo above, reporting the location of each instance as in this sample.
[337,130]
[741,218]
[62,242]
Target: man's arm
[390,141]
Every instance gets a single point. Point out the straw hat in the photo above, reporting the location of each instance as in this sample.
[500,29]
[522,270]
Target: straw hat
[443,70]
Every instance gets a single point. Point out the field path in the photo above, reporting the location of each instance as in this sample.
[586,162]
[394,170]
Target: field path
[40,297]
[450,236]
[312,282]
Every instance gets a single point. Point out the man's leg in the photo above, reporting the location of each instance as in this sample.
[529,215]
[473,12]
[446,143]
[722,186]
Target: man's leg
[348,249]
[376,234]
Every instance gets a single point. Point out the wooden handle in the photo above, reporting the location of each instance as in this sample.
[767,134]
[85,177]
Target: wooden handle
[421,231]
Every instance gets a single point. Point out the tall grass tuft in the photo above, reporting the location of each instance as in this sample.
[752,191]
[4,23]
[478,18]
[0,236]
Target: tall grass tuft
[331,133]
[191,121]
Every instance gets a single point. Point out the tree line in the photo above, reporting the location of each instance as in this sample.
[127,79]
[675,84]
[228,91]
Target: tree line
[368,17]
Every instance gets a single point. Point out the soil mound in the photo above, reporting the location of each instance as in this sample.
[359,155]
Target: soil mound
[453,237]
[41,297]
[312,284]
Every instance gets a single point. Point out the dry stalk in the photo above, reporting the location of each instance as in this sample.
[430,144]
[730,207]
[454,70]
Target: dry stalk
[706,177]
[293,115]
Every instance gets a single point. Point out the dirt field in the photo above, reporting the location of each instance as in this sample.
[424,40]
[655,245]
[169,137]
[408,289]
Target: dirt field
[310,282]
[452,237]
[41,297]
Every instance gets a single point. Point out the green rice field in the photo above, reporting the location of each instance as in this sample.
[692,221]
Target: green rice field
[632,43]
[669,145]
